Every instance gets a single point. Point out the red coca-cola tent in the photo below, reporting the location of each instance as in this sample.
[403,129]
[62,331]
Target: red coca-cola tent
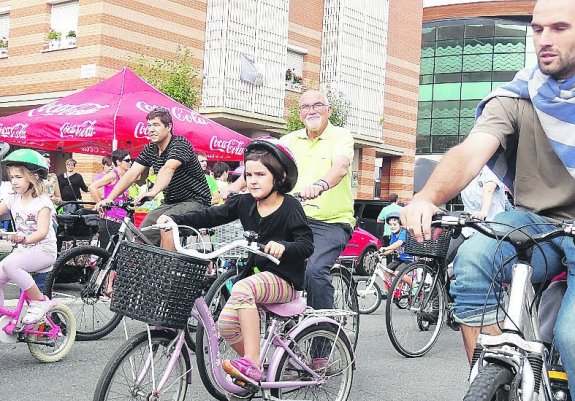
[111,115]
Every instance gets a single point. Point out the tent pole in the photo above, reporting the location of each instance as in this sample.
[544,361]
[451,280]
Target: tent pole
[114,144]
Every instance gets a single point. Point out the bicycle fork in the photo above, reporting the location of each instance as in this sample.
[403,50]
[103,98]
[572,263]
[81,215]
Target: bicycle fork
[176,349]
[524,358]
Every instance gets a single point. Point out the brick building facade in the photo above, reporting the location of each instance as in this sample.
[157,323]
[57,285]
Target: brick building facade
[108,33]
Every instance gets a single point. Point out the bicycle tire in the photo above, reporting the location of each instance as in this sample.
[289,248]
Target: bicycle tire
[404,314]
[345,297]
[338,367]
[368,296]
[57,349]
[491,384]
[67,280]
[122,368]
[216,298]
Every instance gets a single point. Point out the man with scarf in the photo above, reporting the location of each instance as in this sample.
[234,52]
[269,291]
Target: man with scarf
[525,131]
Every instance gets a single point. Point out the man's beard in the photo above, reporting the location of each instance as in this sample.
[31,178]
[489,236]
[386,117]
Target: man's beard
[313,125]
[562,70]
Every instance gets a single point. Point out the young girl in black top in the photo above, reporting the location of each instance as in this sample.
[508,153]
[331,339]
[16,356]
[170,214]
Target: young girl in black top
[280,221]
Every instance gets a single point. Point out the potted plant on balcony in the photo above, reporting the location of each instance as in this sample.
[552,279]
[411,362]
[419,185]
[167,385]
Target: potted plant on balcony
[71,38]
[55,38]
[3,47]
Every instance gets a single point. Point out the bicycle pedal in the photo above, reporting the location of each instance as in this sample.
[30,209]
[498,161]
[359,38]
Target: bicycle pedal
[246,385]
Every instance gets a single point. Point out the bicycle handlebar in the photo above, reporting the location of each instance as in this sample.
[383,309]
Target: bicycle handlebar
[252,247]
[515,237]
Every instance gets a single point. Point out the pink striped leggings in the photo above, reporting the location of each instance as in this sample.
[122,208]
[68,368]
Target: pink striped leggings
[260,288]
[17,266]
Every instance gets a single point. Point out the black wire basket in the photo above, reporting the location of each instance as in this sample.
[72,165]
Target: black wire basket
[435,248]
[157,286]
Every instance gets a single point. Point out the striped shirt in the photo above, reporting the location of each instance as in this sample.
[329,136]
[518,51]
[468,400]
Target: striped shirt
[188,181]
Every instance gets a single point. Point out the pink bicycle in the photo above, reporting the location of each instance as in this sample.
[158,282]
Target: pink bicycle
[160,287]
[50,339]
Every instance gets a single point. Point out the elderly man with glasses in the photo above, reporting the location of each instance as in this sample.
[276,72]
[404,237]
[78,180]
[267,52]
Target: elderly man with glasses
[323,154]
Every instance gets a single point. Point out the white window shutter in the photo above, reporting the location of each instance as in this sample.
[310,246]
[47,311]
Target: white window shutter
[64,17]
[4,25]
[295,62]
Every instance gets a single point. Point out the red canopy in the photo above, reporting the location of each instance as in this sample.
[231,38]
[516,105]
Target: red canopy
[111,115]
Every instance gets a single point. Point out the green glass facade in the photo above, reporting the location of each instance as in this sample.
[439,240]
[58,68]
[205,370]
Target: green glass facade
[461,62]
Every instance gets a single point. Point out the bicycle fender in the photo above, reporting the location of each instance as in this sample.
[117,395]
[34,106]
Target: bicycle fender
[278,353]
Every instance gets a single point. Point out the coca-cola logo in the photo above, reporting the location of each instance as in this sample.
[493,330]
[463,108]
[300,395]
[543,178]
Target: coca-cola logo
[83,130]
[60,109]
[90,149]
[16,131]
[178,113]
[141,131]
[231,146]
[188,116]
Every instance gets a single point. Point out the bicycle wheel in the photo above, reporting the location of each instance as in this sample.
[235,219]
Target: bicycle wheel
[368,295]
[119,379]
[216,298]
[492,383]
[414,310]
[46,349]
[318,342]
[345,297]
[68,281]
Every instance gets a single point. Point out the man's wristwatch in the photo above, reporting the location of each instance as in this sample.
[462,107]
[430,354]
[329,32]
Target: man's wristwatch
[323,184]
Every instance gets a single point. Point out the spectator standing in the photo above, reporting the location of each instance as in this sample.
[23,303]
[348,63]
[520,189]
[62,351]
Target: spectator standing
[203,159]
[71,184]
[179,174]
[221,170]
[107,166]
[51,183]
[393,206]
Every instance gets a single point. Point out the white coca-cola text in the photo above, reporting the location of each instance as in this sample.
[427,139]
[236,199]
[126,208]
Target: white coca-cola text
[17,131]
[60,109]
[231,146]
[83,130]
[141,131]
[179,113]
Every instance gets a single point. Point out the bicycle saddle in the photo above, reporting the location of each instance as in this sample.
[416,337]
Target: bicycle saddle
[295,307]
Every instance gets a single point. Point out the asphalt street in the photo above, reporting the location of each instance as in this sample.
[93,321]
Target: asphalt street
[381,374]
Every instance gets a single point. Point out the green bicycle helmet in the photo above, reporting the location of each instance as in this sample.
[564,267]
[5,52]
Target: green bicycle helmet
[30,159]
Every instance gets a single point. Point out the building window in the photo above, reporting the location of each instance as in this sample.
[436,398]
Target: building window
[4,29]
[63,24]
[462,61]
[294,68]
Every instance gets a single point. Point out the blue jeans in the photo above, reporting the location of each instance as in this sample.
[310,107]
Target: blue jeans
[329,240]
[478,261]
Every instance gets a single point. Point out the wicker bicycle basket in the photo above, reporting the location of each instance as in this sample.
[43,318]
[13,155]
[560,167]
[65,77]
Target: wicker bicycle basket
[436,248]
[156,286]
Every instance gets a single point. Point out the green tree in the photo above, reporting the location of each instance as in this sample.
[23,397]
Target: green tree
[176,77]
[340,111]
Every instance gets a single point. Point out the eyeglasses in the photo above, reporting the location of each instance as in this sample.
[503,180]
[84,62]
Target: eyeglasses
[307,107]
[127,160]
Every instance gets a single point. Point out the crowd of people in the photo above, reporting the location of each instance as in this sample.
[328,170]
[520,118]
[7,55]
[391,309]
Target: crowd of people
[516,144]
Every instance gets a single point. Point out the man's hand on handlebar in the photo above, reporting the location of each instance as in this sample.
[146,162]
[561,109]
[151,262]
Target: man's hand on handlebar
[275,249]
[416,218]
[310,191]
[165,219]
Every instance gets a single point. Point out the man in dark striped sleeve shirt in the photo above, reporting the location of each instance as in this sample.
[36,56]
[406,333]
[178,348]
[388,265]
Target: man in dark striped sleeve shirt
[179,173]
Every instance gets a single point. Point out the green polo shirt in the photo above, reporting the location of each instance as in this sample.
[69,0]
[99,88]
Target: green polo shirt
[314,158]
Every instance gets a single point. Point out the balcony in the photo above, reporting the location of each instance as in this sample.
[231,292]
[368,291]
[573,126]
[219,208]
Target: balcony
[56,42]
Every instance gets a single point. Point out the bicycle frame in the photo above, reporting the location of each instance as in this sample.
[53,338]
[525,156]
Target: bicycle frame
[127,232]
[203,314]
[14,327]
